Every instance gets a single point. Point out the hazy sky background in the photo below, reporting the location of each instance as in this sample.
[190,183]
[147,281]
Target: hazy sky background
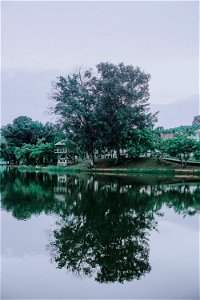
[42,40]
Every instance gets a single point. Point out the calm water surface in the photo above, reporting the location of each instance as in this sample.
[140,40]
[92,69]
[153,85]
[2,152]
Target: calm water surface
[99,236]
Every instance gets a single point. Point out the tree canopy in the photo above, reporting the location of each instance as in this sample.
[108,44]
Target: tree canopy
[99,108]
[123,103]
[181,147]
[23,130]
[28,141]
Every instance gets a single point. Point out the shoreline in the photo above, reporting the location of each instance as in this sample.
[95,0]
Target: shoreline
[55,169]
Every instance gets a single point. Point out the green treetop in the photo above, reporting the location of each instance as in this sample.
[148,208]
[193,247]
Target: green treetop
[101,110]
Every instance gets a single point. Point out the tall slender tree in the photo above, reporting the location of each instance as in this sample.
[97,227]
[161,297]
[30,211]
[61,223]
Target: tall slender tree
[75,100]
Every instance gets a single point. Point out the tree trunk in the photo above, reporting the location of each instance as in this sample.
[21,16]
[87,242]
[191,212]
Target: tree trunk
[91,159]
[118,159]
[182,162]
[186,157]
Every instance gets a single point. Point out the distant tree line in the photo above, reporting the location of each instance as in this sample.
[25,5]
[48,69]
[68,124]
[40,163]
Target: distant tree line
[29,142]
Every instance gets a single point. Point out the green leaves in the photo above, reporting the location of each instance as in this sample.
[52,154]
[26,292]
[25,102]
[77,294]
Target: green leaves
[24,130]
[22,140]
[181,147]
[197,151]
[7,152]
[74,101]
[40,153]
[140,142]
[123,102]
[99,111]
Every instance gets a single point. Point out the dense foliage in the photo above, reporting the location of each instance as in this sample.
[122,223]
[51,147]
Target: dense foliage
[24,130]
[181,147]
[140,142]
[30,142]
[101,110]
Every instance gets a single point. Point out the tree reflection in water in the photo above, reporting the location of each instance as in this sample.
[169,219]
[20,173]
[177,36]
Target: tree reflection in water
[104,222]
[113,242]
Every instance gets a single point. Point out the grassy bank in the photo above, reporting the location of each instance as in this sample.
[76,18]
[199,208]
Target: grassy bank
[142,165]
[53,169]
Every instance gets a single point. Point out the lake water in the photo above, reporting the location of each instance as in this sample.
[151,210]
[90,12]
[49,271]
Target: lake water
[99,236]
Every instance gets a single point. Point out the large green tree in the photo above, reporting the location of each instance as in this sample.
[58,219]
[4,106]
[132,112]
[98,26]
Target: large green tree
[22,130]
[100,111]
[123,93]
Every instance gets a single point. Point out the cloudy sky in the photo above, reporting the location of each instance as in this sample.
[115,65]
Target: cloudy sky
[42,40]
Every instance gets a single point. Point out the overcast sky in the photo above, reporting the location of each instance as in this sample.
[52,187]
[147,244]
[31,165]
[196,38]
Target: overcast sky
[44,39]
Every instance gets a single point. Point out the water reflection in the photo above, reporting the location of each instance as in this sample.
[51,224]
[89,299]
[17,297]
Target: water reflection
[104,222]
[103,236]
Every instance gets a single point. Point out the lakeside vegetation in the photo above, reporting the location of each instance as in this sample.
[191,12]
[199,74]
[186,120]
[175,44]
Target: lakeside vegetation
[142,165]
[102,110]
